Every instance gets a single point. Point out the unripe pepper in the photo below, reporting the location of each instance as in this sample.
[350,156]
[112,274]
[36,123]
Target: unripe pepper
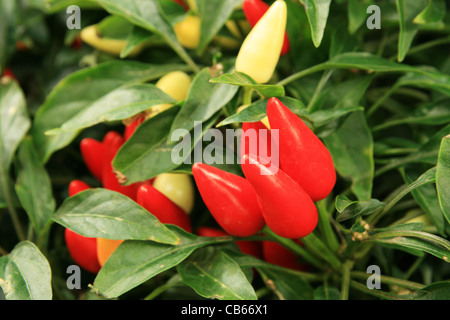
[162,207]
[248,247]
[260,51]
[92,37]
[176,84]
[230,199]
[254,10]
[303,156]
[178,187]
[287,209]
[187,31]
[83,250]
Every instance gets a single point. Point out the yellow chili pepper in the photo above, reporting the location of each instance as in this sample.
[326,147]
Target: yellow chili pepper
[175,84]
[260,51]
[188,31]
[105,248]
[92,37]
[178,187]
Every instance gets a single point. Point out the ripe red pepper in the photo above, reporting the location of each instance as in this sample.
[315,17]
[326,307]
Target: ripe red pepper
[254,10]
[255,138]
[230,199]
[287,209]
[248,247]
[302,155]
[275,253]
[162,207]
[131,128]
[93,152]
[9,74]
[183,4]
[83,250]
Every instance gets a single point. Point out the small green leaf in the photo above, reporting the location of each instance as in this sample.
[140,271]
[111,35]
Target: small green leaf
[241,79]
[434,13]
[435,291]
[443,177]
[101,213]
[348,209]
[214,275]
[317,12]
[25,274]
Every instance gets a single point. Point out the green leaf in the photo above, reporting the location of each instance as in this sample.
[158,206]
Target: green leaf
[114,27]
[8,31]
[137,37]
[203,101]
[14,124]
[427,198]
[285,284]
[79,90]
[435,291]
[213,15]
[443,177]
[147,153]
[135,262]
[357,15]
[356,163]
[326,293]
[317,12]
[349,209]
[101,213]
[240,79]
[257,111]
[407,10]
[434,13]
[214,275]
[119,104]
[147,15]
[25,274]
[34,188]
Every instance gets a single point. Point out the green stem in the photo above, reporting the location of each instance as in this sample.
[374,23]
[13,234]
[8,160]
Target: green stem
[346,279]
[380,101]
[294,247]
[414,267]
[301,74]
[374,292]
[11,209]
[326,227]
[315,245]
[319,88]
[390,280]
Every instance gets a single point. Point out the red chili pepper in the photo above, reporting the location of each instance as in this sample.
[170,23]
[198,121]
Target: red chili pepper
[255,138]
[9,74]
[275,253]
[77,43]
[162,207]
[93,152]
[248,247]
[113,141]
[83,250]
[230,199]
[302,155]
[131,128]
[254,10]
[287,209]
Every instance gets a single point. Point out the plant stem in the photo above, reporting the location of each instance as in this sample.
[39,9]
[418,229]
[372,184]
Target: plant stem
[301,74]
[11,209]
[326,227]
[319,88]
[346,279]
[380,101]
[375,292]
[390,280]
[314,244]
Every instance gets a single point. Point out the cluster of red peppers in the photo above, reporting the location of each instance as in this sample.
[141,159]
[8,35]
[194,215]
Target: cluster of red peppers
[283,199]
[92,253]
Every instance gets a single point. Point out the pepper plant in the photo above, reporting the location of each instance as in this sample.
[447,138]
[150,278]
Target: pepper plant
[103,189]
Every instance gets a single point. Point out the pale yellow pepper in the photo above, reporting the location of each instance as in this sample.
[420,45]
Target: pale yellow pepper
[260,51]
[178,187]
[188,31]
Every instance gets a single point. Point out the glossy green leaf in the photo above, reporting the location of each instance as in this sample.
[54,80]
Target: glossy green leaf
[434,13]
[135,262]
[356,164]
[79,90]
[214,275]
[443,177]
[25,274]
[34,188]
[147,15]
[240,79]
[203,101]
[118,104]
[317,12]
[213,15]
[435,291]
[357,14]
[138,37]
[101,213]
